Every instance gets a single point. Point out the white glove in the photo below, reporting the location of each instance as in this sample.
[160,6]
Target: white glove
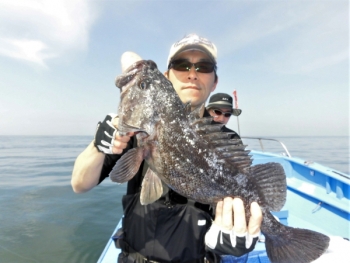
[225,242]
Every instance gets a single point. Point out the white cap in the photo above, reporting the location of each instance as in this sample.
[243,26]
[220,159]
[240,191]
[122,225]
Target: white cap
[128,58]
[193,42]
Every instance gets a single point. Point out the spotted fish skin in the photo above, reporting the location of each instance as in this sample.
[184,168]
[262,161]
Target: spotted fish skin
[197,160]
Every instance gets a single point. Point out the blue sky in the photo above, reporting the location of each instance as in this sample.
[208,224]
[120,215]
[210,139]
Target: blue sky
[288,60]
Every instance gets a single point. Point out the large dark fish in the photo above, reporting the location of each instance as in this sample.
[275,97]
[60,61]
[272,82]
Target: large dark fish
[197,160]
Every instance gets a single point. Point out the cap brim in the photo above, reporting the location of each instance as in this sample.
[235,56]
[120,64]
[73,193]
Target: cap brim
[236,112]
[219,106]
[194,47]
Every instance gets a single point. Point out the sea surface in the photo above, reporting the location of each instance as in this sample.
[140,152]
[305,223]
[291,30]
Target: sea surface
[42,220]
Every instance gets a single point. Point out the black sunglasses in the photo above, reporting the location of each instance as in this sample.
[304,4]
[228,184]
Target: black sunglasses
[185,65]
[219,113]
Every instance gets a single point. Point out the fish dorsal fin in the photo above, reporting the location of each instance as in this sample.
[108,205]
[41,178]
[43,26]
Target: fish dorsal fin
[208,129]
[187,107]
[229,150]
[271,179]
[196,113]
[204,126]
[152,188]
[197,123]
[233,151]
[127,166]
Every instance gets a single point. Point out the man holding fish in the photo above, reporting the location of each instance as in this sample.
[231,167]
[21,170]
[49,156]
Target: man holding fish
[172,228]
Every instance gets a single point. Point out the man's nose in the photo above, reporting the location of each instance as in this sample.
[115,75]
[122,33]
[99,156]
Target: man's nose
[220,118]
[192,73]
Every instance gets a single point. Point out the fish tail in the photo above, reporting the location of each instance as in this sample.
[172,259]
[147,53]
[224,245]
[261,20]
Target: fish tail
[293,245]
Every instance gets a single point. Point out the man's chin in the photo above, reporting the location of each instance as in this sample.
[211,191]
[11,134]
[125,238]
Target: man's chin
[191,95]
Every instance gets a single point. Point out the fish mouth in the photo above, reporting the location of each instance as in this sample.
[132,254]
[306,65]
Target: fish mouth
[126,128]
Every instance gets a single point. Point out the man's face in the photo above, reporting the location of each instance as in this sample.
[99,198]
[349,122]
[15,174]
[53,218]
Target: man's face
[192,85]
[219,114]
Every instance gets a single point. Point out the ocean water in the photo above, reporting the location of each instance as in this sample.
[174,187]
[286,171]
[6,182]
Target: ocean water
[42,220]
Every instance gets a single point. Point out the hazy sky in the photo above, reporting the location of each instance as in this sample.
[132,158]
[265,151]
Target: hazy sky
[288,60]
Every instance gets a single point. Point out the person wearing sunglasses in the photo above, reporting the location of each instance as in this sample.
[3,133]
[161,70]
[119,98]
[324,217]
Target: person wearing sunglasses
[221,107]
[173,228]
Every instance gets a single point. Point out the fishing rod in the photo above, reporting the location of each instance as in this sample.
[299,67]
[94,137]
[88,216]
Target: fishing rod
[236,107]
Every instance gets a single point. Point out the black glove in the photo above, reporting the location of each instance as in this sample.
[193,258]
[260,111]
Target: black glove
[105,134]
[224,242]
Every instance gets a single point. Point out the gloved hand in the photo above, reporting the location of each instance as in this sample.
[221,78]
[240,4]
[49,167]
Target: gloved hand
[226,238]
[223,242]
[105,134]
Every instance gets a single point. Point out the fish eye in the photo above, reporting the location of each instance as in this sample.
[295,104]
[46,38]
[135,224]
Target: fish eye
[143,85]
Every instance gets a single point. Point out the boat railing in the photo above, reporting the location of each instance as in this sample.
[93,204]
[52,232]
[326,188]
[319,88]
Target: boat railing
[268,139]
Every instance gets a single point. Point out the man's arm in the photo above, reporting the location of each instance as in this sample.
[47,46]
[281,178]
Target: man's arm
[88,165]
[87,169]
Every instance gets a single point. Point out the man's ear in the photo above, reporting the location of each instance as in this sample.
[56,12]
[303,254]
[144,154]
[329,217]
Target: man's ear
[215,84]
[166,74]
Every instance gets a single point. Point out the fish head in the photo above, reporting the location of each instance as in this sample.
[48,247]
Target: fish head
[143,97]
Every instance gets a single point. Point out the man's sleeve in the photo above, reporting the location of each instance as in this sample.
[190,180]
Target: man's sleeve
[111,159]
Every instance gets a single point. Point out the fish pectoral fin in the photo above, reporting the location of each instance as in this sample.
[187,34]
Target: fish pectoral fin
[152,188]
[127,166]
